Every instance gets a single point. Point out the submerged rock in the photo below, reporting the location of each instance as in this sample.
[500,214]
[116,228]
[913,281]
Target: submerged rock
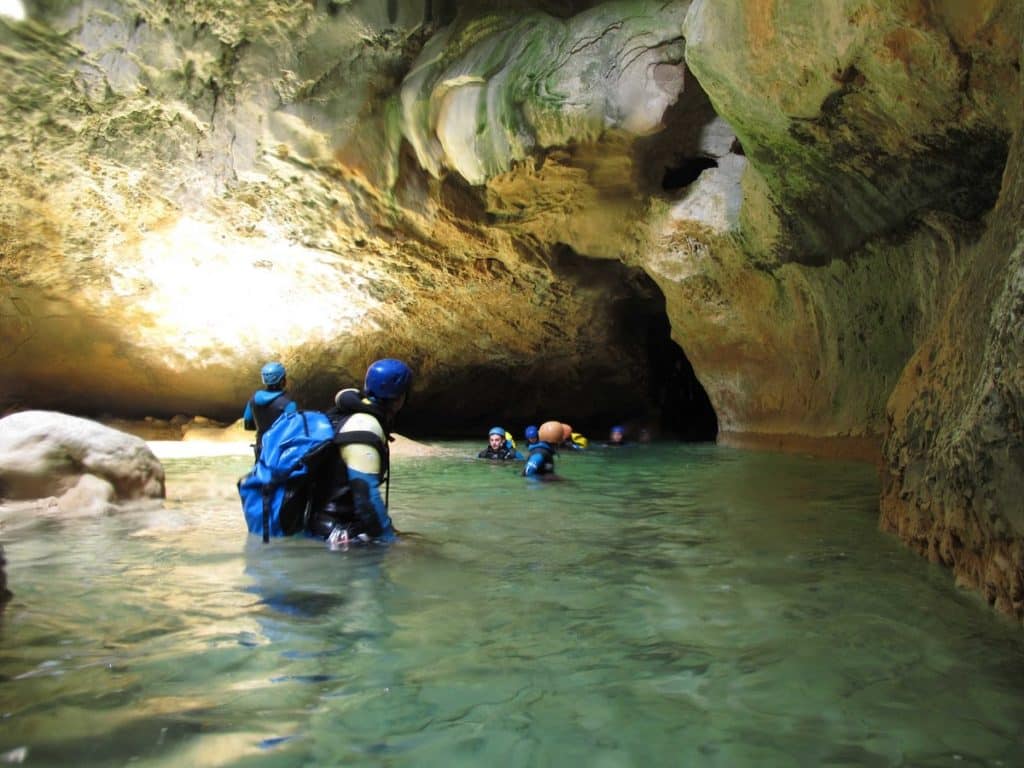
[87,465]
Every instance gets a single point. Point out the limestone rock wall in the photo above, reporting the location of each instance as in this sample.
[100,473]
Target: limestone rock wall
[876,136]
[486,95]
[859,114]
[954,454]
[807,351]
[194,189]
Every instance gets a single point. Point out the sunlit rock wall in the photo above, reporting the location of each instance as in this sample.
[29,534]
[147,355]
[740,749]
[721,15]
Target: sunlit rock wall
[190,190]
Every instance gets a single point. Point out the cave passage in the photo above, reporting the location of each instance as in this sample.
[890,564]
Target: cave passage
[685,172]
[637,377]
[677,405]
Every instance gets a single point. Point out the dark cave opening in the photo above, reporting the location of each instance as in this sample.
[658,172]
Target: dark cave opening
[685,408]
[687,171]
[677,405]
[641,379]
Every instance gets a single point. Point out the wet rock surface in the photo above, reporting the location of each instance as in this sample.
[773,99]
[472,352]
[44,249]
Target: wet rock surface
[953,480]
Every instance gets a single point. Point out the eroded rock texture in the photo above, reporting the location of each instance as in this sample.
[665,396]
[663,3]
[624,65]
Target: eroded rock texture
[954,458]
[194,189]
[822,201]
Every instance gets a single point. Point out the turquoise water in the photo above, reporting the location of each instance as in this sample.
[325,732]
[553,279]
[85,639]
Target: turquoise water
[663,606]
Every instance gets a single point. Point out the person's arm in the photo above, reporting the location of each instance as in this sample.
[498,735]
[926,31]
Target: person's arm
[364,463]
[533,464]
[247,418]
[292,407]
[371,515]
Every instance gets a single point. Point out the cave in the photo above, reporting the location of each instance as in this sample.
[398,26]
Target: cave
[685,172]
[642,379]
[694,139]
[684,410]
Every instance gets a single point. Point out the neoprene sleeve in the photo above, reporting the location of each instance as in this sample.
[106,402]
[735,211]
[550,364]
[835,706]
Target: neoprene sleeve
[370,512]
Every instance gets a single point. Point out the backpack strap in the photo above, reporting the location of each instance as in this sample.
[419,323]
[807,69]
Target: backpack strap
[266,513]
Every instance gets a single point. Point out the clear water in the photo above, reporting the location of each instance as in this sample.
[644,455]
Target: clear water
[664,606]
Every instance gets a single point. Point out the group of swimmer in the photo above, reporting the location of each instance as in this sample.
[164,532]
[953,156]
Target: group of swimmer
[542,443]
[347,505]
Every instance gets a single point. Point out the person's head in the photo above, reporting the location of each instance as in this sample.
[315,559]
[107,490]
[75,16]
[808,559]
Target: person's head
[496,438]
[531,434]
[617,434]
[388,381]
[273,376]
[550,432]
[566,432]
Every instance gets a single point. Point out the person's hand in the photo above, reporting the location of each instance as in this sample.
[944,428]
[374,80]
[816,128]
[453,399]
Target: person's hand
[338,539]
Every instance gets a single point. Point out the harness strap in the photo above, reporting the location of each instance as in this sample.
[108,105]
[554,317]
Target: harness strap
[266,514]
[367,437]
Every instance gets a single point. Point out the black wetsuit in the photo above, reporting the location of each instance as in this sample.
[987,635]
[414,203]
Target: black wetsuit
[262,411]
[501,454]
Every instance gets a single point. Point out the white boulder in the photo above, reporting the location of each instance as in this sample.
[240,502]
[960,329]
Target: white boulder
[85,464]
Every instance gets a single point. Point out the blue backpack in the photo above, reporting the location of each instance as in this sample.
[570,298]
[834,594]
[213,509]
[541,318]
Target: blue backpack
[277,495]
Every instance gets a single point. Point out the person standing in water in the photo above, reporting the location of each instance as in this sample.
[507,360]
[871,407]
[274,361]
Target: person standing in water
[355,511]
[541,462]
[268,403]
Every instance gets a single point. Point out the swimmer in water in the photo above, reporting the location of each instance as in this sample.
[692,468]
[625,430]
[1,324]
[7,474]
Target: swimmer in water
[616,437]
[500,447]
[541,463]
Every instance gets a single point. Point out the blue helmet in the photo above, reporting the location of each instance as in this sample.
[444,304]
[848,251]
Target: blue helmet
[272,374]
[617,428]
[532,433]
[496,431]
[387,379]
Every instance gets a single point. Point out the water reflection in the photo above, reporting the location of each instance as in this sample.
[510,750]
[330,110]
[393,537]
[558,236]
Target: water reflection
[665,606]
